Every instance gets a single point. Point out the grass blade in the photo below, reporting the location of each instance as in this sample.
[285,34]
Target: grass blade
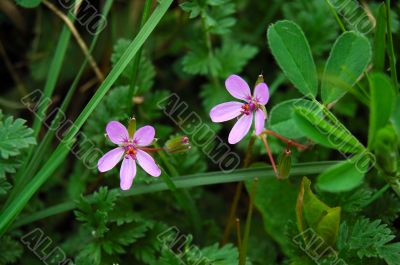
[190,181]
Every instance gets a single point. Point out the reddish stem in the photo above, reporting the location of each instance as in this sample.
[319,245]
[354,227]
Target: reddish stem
[149,149]
[286,140]
[271,158]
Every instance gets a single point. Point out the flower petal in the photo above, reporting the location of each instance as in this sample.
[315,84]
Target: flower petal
[259,121]
[237,87]
[226,111]
[110,159]
[240,129]
[117,132]
[144,135]
[261,93]
[148,163]
[127,173]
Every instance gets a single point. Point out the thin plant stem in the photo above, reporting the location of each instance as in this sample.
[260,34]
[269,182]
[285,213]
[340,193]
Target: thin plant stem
[392,55]
[245,240]
[238,233]
[238,193]
[78,38]
[271,158]
[286,140]
[183,197]
[335,14]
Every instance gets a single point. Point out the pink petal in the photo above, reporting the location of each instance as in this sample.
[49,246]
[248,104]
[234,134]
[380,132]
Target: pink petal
[226,111]
[240,129]
[144,136]
[110,159]
[259,121]
[237,87]
[127,173]
[261,93]
[117,132]
[148,163]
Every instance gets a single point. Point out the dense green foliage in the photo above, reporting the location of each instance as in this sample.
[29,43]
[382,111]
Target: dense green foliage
[333,121]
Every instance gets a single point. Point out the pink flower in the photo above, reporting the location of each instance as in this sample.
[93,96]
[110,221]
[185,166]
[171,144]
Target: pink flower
[130,150]
[239,89]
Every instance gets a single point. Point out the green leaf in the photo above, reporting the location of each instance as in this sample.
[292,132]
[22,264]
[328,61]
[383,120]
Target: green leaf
[293,54]
[28,3]
[348,59]
[382,103]
[321,126]
[14,136]
[8,166]
[281,118]
[199,61]
[315,214]
[345,176]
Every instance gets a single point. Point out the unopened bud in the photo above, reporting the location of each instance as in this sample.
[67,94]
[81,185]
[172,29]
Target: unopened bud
[177,144]
[132,127]
[285,164]
[260,79]
[386,150]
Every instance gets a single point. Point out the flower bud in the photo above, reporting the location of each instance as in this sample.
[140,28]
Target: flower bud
[132,127]
[285,164]
[260,79]
[177,144]
[386,150]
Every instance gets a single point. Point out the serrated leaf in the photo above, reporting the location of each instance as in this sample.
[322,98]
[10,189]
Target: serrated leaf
[348,59]
[5,186]
[14,136]
[383,97]
[199,61]
[293,54]
[233,56]
[390,253]
[344,176]
[10,250]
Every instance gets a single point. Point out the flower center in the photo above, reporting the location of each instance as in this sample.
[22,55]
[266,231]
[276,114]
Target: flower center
[130,151]
[249,107]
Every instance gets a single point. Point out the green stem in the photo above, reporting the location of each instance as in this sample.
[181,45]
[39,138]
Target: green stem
[238,193]
[133,90]
[377,194]
[16,206]
[245,240]
[207,38]
[392,55]
[182,196]
[188,181]
[339,21]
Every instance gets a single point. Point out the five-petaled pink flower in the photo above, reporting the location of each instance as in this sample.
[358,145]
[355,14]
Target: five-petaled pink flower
[239,89]
[130,149]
